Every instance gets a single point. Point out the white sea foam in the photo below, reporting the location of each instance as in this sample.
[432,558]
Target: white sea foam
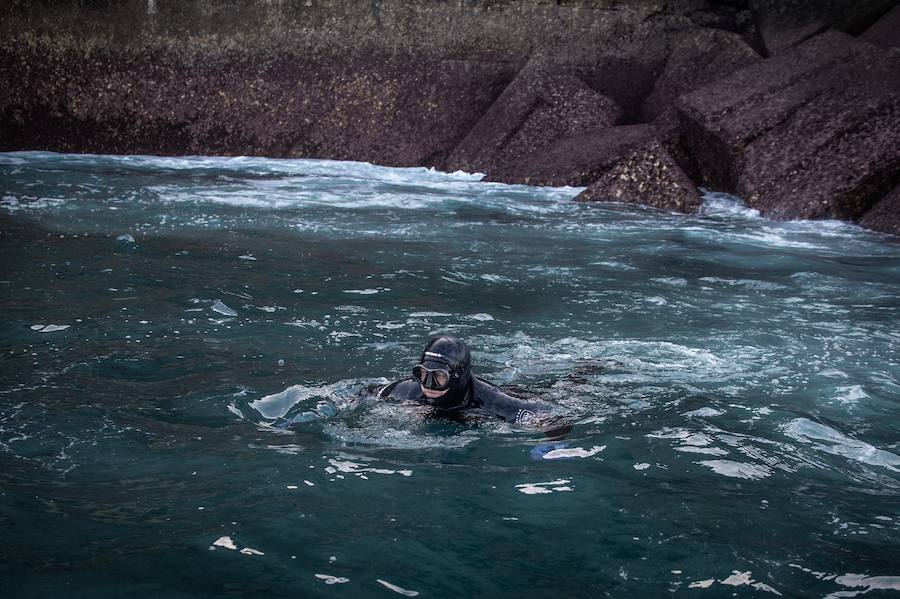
[573,452]
[723,204]
[850,394]
[544,488]
[360,468]
[705,412]
[396,588]
[836,443]
[49,328]
[278,404]
[737,469]
[225,542]
[865,584]
[329,579]
[14,204]
[481,317]
[219,307]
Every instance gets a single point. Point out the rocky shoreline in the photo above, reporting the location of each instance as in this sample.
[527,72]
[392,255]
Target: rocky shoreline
[794,106]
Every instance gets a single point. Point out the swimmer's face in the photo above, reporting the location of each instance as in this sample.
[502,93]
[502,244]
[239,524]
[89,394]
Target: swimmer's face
[432,393]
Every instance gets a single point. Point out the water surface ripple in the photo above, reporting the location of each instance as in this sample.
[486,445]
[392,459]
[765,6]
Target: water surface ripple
[734,380]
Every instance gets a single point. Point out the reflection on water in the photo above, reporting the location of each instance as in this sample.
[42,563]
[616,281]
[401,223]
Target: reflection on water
[733,380]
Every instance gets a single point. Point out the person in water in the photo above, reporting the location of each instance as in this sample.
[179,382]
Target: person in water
[443,379]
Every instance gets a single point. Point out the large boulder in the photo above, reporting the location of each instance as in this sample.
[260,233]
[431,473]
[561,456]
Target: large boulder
[812,133]
[786,23]
[540,106]
[387,109]
[648,175]
[885,215]
[395,82]
[698,57]
[576,160]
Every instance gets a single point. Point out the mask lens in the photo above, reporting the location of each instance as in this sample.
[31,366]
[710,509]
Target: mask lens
[442,378]
[438,379]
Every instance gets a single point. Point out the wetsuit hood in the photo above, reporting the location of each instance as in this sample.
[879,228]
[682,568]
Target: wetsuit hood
[450,353]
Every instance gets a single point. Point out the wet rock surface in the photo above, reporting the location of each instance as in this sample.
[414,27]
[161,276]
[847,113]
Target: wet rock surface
[539,107]
[576,160]
[885,215]
[812,133]
[649,175]
[774,101]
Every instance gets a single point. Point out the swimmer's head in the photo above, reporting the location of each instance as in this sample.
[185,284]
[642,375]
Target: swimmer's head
[444,372]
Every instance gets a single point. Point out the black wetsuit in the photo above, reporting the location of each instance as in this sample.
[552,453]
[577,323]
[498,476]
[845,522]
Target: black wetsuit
[464,394]
[479,395]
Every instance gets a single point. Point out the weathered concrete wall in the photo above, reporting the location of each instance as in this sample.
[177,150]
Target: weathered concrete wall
[388,81]
[614,91]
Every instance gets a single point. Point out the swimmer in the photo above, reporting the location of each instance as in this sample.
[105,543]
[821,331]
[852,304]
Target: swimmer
[443,379]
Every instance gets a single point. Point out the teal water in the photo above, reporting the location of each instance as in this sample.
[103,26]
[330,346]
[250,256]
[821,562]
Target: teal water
[735,384]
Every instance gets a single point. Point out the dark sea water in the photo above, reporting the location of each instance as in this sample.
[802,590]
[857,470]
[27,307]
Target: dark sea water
[735,384]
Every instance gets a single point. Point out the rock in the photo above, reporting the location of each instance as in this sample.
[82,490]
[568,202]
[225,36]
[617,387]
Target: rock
[396,82]
[886,31]
[698,57]
[576,160]
[812,133]
[387,109]
[786,23]
[540,106]
[885,215]
[648,175]
[736,19]
[397,111]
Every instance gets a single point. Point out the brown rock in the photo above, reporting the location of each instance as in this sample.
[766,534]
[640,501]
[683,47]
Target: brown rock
[646,175]
[885,215]
[576,160]
[698,57]
[386,109]
[812,133]
[540,106]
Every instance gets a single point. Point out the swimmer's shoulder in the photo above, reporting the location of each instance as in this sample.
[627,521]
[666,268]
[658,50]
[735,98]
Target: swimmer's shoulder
[511,408]
[402,389]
